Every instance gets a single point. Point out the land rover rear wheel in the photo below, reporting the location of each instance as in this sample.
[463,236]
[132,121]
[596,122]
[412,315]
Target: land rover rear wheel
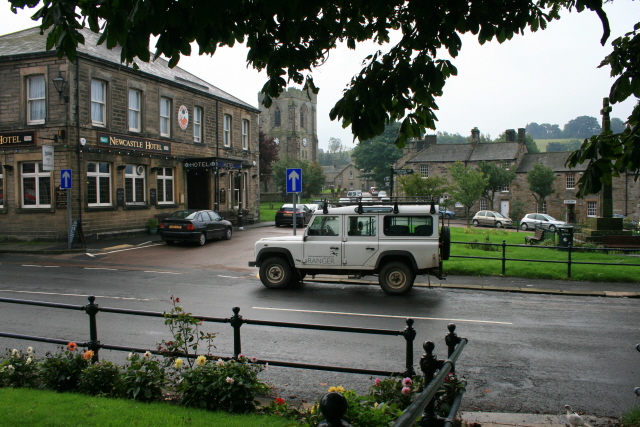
[275,273]
[396,278]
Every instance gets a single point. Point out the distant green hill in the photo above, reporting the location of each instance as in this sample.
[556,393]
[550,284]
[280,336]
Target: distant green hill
[542,143]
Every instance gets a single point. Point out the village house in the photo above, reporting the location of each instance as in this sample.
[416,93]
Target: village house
[129,144]
[431,159]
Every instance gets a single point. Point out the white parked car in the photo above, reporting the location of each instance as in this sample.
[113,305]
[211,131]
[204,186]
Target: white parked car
[395,243]
[382,195]
[530,220]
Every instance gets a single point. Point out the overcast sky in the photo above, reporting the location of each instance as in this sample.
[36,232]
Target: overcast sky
[550,76]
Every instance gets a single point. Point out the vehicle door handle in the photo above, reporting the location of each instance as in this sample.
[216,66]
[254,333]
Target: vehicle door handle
[334,247]
[370,249]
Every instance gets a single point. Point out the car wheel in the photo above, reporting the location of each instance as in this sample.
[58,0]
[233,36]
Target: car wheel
[552,227]
[476,223]
[396,278]
[169,242]
[498,224]
[228,233]
[524,226]
[202,239]
[275,273]
[445,243]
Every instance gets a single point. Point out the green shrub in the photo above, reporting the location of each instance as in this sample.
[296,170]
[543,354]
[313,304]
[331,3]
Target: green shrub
[61,372]
[100,379]
[631,418]
[142,378]
[19,369]
[226,386]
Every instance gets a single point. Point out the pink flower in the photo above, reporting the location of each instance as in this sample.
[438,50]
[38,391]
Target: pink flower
[254,359]
[377,382]
[406,391]
[279,401]
[407,381]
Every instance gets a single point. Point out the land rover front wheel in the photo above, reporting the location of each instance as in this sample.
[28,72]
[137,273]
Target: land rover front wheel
[275,273]
[396,278]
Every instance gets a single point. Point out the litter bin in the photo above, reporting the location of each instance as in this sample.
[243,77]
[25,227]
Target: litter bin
[565,236]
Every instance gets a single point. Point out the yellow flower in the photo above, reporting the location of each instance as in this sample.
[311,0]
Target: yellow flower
[332,389]
[340,389]
[201,361]
[88,354]
[179,363]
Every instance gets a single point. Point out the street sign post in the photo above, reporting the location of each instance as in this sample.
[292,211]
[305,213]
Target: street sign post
[65,179]
[294,185]
[66,184]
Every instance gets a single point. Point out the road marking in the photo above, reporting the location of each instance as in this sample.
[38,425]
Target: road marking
[100,268]
[41,266]
[383,315]
[129,248]
[71,295]
[161,272]
[230,277]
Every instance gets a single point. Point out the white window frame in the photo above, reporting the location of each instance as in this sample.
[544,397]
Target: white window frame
[424,170]
[506,164]
[483,204]
[98,102]
[245,134]
[103,198]
[227,130]
[33,99]
[165,116]
[592,208]
[350,174]
[197,124]
[570,180]
[505,189]
[41,178]
[135,110]
[162,181]
[132,178]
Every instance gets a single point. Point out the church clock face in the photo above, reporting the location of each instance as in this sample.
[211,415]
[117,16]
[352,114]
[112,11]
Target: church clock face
[304,141]
[277,141]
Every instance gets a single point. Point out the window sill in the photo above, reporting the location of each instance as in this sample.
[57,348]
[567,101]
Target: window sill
[100,208]
[35,210]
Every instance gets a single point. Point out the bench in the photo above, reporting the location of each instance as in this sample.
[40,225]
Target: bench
[536,238]
[632,242]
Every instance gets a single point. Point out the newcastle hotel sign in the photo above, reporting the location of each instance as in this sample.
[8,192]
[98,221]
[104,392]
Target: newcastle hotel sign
[124,142]
[17,138]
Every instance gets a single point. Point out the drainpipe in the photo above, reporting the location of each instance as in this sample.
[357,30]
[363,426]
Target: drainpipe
[215,176]
[79,152]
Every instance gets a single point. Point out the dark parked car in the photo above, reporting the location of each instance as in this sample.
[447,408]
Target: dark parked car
[284,216]
[194,226]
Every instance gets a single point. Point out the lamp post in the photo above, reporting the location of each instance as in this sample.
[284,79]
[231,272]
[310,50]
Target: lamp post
[60,84]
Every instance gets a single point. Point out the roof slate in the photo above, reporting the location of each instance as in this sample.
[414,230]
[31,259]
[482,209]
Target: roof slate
[553,160]
[30,41]
[462,152]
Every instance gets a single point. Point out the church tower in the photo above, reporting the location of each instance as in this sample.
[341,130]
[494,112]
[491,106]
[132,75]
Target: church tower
[292,120]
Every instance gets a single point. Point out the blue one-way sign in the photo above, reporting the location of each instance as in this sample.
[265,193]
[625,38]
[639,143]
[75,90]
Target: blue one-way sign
[294,180]
[65,179]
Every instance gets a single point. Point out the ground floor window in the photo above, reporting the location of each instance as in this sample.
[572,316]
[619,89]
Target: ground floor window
[36,186]
[98,184]
[134,184]
[165,185]
[592,208]
[483,204]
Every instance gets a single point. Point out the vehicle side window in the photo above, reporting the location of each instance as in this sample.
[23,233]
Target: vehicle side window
[490,215]
[482,213]
[203,216]
[408,225]
[361,226]
[214,216]
[325,226]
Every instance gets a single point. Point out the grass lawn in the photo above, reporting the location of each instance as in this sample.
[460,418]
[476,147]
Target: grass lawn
[26,407]
[535,270]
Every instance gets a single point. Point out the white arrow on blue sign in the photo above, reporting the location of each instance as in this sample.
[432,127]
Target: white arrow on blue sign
[65,179]
[294,180]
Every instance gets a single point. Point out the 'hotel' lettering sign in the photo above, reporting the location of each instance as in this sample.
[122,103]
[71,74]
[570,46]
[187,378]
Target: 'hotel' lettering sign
[17,138]
[130,143]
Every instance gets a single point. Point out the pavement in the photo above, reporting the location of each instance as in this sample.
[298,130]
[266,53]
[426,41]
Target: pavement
[491,283]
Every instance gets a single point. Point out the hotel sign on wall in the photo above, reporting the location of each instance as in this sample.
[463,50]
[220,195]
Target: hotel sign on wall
[124,142]
[17,139]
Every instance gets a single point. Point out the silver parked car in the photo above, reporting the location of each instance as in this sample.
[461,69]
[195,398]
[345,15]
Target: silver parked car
[530,220]
[491,219]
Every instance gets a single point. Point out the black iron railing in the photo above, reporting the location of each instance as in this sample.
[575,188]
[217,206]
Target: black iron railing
[236,321]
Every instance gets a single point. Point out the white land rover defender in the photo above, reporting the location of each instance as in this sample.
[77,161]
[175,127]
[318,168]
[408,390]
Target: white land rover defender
[394,242]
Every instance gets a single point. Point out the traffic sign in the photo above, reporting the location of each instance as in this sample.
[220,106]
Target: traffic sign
[403,171]
[65,179]
[294,180]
